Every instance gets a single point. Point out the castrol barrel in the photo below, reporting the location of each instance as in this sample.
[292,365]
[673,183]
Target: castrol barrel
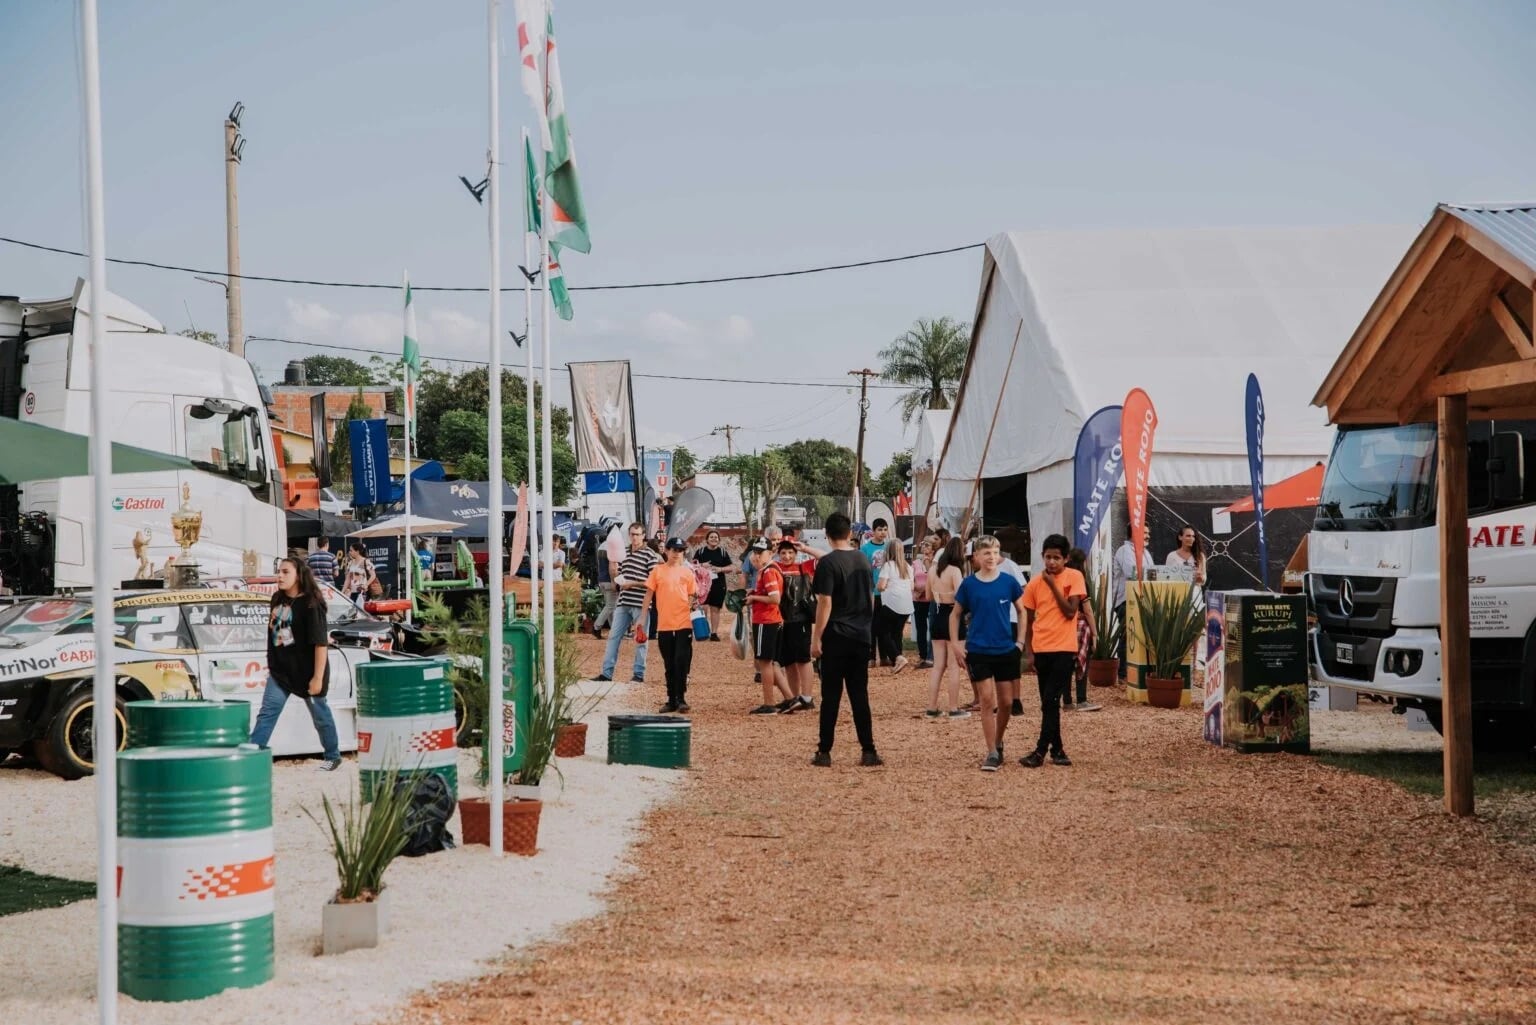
[194,871]
[188,723]
[405,720]
[660,741]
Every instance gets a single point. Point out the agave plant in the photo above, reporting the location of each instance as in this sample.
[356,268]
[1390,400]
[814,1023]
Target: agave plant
[538,739]
[366,838]
[1170,624]
[1106,641]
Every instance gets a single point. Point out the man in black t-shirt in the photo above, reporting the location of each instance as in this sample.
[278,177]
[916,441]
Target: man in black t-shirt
[840,637]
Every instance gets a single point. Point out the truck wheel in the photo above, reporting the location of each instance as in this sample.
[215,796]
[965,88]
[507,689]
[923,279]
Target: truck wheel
[67,749]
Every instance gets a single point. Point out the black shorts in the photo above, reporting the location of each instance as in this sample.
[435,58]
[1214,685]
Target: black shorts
[1003,668]
[765,641]
[794,644]
[940,622]
[716,596]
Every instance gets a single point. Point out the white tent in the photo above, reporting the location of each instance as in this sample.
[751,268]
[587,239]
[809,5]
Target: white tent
[931,430]
[1068,322]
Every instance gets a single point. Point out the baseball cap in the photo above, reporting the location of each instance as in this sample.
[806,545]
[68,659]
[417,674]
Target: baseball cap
[758,546]
[676,544]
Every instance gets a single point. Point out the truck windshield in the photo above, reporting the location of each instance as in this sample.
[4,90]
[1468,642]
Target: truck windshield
[34,621]
[1379,478]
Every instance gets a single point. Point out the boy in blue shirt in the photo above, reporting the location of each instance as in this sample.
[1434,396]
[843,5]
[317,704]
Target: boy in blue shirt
[992,646]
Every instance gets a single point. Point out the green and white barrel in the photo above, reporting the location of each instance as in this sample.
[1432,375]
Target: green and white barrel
[188,723]
[660,741]
[194,871]
[405,720]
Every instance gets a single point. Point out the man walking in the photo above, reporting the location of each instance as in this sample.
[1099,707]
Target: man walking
[845,591]
[990,651]
[322,563]
[630,580]
[675,589]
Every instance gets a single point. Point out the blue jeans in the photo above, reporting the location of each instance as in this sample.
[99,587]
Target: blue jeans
[624,620]
[272,701]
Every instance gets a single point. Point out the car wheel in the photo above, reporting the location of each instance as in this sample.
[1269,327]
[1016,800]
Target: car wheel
[67,749]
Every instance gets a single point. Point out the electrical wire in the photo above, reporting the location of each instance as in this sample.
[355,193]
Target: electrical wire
[481,288]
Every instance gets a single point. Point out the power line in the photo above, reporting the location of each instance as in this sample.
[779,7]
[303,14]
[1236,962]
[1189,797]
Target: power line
[394,286]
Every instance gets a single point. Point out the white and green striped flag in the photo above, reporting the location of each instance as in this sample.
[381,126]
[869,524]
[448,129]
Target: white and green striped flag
[411,357]
[532,216]
[531,19]
[568,216]
[555,279]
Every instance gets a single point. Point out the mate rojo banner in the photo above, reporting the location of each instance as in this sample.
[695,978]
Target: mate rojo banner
[1138,426]
[602,416]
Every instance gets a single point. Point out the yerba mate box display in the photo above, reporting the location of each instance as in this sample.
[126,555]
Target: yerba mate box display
[1264,701]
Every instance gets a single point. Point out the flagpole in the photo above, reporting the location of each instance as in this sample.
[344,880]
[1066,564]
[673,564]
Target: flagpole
[104,726]
[530,188]
[405,377]
[548,516]
[494,525]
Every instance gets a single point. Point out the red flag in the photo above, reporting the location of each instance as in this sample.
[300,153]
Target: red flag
[520,533]
[1138,423]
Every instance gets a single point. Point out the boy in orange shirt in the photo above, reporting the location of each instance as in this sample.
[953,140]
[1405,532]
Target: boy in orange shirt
[675,589]
[1051,603]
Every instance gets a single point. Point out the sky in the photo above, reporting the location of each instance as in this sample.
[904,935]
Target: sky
[717,139]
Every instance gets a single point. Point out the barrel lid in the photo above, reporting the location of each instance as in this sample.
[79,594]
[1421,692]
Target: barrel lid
[648,720]
[150,754]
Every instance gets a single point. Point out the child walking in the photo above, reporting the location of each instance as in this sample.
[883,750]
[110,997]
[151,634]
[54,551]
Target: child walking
[1051,603]
[990,650]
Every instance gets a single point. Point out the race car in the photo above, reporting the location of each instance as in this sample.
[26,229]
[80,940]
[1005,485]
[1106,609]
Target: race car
[175,644]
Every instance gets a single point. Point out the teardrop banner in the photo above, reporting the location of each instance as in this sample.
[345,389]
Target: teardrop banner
[1138,425]
[1096,470]
[1253,417]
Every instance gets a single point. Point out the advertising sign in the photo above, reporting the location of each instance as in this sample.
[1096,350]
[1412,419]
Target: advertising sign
[601,416]
[658,472]
[1138,425]
[370,461]
[1253,418]
[1095,474]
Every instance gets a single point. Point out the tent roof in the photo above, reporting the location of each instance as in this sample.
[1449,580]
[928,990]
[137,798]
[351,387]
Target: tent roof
[1068,322]
[1295,492]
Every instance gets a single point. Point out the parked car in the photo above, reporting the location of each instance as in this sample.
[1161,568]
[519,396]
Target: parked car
[788,512]
[179,644]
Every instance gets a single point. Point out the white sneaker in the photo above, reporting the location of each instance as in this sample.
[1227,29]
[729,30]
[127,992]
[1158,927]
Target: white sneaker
[328,765]
[1088,707]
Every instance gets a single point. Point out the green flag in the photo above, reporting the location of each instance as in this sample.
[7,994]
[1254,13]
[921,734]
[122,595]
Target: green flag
[558,293]
[532,219]
[411,356]
[568,217]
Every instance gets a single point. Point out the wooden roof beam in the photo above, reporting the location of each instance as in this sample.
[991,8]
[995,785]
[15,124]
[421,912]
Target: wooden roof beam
[1467,382]
[1505,318]
[1416,397]
[1495,253]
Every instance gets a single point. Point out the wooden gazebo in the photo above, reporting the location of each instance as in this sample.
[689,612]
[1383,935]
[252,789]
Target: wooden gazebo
[1449,336]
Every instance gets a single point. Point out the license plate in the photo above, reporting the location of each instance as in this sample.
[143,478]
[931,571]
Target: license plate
[1344,653]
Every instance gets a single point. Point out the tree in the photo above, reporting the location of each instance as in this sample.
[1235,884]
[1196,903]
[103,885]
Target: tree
[821,467]
[894,477]
[341,444]
[684,463]
[337,371]
[929,356]
[207,337]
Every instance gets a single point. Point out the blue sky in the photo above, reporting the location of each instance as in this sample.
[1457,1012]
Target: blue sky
[719,138]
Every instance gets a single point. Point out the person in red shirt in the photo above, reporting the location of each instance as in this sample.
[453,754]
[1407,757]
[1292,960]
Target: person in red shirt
[767,620]
[798,607]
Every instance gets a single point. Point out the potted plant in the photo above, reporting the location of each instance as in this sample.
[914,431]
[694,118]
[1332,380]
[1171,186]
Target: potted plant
[1170,624]
[365,839]
[463,640]
[575,706]
[1104,657]
[521,811]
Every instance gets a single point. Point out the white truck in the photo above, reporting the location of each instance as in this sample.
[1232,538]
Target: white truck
[169,393]
[1373,572]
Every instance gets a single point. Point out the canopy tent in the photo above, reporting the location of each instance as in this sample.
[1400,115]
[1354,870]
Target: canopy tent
[461,501]
[394,526]
[1068,322]
[1297,491]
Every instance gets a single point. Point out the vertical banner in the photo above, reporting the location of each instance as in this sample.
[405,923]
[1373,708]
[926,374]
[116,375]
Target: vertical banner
[658,473]
[370,462]
[1253,417]
[601,416]
[1096,470]
[1138,425]
[322,440]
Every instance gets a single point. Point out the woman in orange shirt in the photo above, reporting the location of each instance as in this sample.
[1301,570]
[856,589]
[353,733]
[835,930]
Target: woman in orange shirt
[675,590]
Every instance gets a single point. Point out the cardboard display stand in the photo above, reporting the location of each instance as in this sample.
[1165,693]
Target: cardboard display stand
[1264,700]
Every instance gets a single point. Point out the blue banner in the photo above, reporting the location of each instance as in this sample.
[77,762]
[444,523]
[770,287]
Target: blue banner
[1253,415]
[370,461]
[1096,472]
[608,482]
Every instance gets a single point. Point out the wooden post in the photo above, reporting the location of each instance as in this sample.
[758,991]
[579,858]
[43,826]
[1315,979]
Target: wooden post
[1455,626]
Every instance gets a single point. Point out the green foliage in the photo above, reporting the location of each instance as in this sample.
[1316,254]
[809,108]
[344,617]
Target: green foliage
[464,643]
[929,356]
[894,477]
[537,739]
[684,463]
[364,843]
[1170,623]
[821,467]
[206,337]
[1106,642]
[747,471]
[333,371]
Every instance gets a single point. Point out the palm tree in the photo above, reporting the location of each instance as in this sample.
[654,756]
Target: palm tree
[930,356]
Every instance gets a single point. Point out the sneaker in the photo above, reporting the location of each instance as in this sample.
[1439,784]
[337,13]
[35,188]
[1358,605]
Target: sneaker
[329,765]
[999,752]
[787,707]
[637,679]
[666,709]
[806,701]
[822,760]
[764,710]
[898,665]
[992,763]
[602,678]
[932,713]
[925,664]
[684,707]
[1033,760]
[1088,706]
[1017,708]
[714,637]
[1060,758]
[757,677]
[869,759]
[959,713]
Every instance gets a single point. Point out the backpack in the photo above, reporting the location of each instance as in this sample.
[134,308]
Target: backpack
[799,601]
[426,820]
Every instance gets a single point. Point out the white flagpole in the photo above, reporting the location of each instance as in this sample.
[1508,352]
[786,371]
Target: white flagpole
[531,188]
[105,731]
[494,526]
[405,376]
[547,496]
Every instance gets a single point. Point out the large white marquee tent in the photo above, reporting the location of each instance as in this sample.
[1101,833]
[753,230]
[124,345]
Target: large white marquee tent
[1068,322]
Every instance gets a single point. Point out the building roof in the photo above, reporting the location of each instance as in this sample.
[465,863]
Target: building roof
[1513,227]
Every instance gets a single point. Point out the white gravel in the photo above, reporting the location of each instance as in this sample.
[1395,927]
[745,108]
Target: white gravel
[451,915]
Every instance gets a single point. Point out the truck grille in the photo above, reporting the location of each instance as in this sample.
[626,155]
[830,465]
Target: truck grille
[1361,619]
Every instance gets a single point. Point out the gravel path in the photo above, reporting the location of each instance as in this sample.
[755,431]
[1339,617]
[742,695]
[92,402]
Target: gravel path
[1157,880]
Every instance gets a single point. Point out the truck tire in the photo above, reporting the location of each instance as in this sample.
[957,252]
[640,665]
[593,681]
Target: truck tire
[1492,732]
[66,748]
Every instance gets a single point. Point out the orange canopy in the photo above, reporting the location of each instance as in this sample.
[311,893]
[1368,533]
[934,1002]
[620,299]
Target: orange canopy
[1291,493]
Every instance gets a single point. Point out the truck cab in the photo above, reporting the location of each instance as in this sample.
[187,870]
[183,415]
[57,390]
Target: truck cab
[1374,561]
[169,393]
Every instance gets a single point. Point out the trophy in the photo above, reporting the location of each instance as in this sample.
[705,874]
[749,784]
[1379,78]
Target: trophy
[186,528]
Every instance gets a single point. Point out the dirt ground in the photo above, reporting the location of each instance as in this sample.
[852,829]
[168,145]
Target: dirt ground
[1157,880]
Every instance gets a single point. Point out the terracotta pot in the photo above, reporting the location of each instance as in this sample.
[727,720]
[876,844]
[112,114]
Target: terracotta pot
[1163,693]
[519,823]
[1103,672]
[571,740]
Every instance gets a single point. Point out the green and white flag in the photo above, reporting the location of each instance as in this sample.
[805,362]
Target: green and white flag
[411,356]
[531,18]
[555,279]
[568,216]
[532,217]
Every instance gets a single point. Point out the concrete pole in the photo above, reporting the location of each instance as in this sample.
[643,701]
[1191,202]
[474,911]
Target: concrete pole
[232,234]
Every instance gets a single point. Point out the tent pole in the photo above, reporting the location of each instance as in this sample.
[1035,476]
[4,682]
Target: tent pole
[981,465]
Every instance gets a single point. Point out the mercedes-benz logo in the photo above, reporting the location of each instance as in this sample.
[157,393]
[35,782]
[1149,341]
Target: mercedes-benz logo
[1346,598]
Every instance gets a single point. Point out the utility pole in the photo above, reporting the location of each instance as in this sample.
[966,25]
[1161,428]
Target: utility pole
[234,148]
[727,429]
[858,458]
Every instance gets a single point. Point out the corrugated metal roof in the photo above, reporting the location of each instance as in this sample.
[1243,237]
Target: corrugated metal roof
[1512,226]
